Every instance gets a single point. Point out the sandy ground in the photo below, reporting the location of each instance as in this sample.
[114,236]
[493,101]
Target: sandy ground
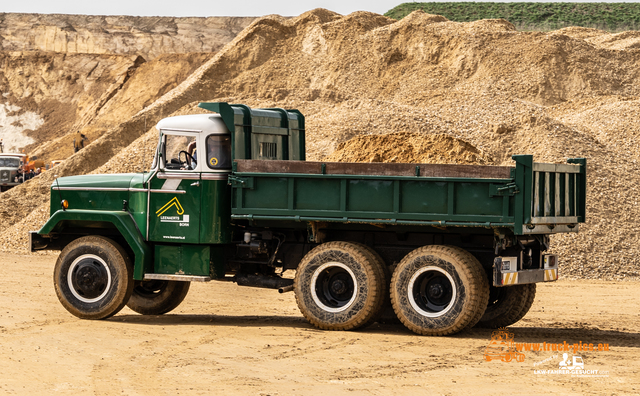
[229,340]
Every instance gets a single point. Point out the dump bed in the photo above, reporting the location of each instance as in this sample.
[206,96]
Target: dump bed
[530,198]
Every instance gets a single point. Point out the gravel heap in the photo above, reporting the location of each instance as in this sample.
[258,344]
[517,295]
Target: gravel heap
[406,147]
[557,95]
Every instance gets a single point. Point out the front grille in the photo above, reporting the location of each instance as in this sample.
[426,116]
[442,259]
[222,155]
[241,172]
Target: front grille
[5,176]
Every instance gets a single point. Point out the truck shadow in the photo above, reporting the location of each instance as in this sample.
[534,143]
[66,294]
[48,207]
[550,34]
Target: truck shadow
[213,320]
[293,322]
[571,335]
[561,334]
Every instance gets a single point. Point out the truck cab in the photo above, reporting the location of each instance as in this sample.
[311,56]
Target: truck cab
[187,194]
[10,170]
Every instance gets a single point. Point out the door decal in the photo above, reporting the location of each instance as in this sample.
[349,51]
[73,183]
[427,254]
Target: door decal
[184,220]
[173,202]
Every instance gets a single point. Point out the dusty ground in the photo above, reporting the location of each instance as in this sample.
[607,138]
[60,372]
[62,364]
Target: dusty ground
[239,341]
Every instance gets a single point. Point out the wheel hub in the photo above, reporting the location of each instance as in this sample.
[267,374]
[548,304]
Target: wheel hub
[432,291]
[338,286]
[89,278]
[333,286]
[436,290]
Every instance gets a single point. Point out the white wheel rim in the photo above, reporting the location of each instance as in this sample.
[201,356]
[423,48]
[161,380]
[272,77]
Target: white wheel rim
[314,279]
[412,301]
[70,278]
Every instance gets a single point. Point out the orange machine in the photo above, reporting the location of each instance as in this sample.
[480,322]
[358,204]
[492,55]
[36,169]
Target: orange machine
[51,165]
[32,164]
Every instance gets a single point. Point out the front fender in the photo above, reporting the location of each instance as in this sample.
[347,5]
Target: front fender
[143,253]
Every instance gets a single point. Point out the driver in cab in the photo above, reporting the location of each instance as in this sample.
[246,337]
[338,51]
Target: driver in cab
[191,149]
[191,157]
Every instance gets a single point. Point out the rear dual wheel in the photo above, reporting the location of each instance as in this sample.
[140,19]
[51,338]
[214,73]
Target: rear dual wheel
[435,290]
[340,286]
[439,290]
[507,305]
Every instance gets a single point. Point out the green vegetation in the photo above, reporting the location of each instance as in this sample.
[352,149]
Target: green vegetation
[535,16]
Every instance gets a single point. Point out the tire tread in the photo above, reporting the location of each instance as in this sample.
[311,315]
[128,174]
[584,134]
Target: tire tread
[147,306]
[375,299]
[521,299]
[469,267]
[123,294]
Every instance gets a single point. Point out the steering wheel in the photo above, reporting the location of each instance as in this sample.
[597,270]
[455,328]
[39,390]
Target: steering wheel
[188,159]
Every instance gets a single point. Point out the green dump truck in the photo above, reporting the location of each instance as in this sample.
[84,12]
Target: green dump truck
[230,197]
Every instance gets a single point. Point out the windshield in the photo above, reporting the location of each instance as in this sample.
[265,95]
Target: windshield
[8,162]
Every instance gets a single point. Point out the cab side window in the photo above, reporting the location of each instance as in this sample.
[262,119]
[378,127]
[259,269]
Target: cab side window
[219,151]
[180,152]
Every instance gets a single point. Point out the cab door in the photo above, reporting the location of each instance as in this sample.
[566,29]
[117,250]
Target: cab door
[174,198]
[215,226]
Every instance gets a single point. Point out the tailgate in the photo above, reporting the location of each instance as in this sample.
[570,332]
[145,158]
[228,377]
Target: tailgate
[552,197]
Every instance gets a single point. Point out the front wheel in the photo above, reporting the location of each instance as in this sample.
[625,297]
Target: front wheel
[93,277]
[439,290]
[157,297]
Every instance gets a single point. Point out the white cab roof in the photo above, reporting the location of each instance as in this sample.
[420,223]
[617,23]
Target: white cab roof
[208,123]
[12,155]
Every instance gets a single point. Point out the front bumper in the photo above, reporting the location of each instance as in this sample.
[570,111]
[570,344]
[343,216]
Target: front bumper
[37,241]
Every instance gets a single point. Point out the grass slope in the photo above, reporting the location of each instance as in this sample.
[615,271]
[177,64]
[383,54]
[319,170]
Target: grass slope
[534,16]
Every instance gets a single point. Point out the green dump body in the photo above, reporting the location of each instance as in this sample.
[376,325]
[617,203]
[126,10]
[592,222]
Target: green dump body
[530,198]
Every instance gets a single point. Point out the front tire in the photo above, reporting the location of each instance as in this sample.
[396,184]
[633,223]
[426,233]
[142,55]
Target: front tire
[157,297]
[340,286]
[93,277]
[439,290]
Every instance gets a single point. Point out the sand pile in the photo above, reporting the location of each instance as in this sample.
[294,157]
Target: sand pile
[17,203]
[406,147]
[132,93]
[60,88]
[557,95]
